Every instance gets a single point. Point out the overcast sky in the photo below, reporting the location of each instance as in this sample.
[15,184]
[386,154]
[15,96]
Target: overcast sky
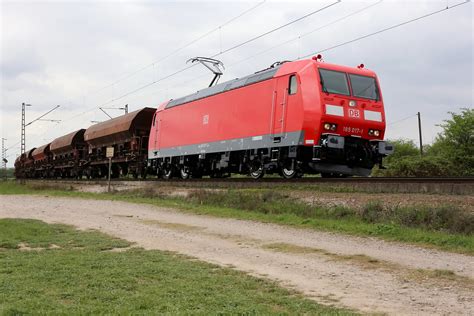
[77,54]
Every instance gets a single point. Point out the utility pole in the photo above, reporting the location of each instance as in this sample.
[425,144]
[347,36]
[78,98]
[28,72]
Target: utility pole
[23,125]
[126,108]
[4,158]
[419,132]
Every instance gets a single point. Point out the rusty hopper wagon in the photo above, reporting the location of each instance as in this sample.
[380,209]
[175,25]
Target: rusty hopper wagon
[28,164]
[24,165]
[42,162]
[68,155]
[128,135]
[18,167]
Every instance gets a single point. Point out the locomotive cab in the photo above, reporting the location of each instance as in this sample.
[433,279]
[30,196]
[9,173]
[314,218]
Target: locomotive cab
[352,121]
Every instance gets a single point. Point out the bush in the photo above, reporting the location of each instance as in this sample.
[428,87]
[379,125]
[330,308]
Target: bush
[452,153]
[419,167]
[443,218]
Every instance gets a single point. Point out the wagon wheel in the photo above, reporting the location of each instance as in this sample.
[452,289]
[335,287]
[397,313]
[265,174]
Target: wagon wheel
[184,172]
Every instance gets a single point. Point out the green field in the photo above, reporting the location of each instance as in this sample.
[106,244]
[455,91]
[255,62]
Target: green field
[443,227]
[55,269]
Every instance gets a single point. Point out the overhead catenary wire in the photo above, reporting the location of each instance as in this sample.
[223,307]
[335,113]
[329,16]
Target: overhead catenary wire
[16,144]
[310,32]
[218,28]
[384,29]
[223,52]
[286,42]
[276,29]
[401,120]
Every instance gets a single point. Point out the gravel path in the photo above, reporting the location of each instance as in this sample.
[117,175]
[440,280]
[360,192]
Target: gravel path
[326,267]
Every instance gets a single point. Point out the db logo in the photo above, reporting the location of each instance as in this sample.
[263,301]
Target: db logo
[354,113]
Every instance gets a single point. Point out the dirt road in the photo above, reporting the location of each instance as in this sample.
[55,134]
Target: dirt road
[365,274]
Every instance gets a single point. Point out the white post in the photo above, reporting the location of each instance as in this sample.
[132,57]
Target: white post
[110,169]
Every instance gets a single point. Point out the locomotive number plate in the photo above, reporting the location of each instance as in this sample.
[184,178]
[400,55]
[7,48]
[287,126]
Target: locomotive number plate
[353,130]
[354,113]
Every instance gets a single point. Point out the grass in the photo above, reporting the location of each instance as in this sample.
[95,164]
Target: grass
[446,227]
[79,276]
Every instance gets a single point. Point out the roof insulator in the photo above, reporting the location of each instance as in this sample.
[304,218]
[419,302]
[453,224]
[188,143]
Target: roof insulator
[318,58]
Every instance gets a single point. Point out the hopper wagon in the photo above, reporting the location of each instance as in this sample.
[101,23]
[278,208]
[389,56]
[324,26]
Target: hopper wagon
[128,135]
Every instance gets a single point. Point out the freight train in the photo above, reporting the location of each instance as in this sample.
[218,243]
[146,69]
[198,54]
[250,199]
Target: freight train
[294,118]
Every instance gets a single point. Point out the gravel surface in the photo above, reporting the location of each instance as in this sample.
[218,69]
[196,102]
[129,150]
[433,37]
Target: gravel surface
[330,272]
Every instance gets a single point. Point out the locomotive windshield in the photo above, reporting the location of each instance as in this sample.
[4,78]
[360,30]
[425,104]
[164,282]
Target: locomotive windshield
[364,87]
[334,82]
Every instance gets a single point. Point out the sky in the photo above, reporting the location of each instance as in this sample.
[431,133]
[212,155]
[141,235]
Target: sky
[83,55]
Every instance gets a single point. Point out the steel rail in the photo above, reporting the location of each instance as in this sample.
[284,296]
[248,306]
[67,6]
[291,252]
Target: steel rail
[309,180]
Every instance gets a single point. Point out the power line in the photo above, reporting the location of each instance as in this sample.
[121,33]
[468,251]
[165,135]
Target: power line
[276,29]
[401,120]
[385,29]
[17,143]
[286,42]
[223,52]
[308,33]
[180,48]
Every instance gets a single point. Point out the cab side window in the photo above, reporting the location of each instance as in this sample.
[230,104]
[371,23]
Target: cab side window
[293,85]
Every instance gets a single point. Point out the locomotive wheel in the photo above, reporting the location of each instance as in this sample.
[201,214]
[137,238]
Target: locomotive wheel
[289,170]
[184,172]
[257,173]
[167,173]
[289,173]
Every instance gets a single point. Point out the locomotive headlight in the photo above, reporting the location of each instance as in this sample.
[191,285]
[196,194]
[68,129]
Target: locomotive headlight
[352,103]
[330,126]
[374,132]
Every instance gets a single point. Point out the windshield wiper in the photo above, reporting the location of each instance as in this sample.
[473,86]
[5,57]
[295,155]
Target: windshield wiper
[323,86]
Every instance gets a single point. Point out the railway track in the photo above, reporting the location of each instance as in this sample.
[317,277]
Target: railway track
[453,185]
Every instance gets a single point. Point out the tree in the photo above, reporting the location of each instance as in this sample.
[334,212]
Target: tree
[456,142]
[452,153]
[402,148]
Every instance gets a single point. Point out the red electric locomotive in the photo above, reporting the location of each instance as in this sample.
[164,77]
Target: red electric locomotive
[295,117]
